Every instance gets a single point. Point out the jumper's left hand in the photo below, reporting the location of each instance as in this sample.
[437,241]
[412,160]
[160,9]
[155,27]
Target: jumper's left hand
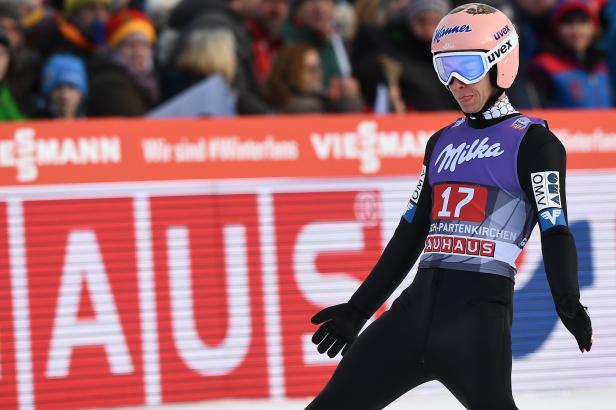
[575,318]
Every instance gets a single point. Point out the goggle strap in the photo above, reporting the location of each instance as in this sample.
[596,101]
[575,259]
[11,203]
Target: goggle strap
[502,50]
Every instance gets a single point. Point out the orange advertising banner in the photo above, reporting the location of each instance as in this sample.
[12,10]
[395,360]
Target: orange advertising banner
[117,150]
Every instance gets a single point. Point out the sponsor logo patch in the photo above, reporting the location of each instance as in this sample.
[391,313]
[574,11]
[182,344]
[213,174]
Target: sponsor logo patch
[520,123]
[552,217]
[501,51]
[445,31]
[546,189]
[412,205]
[502,32]
[460,245]
[450,157]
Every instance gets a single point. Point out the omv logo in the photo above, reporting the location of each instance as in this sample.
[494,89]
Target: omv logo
[534,315]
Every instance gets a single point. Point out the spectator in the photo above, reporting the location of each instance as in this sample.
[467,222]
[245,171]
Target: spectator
[79,29]
[23,7]
[406,41]
[208,52]
[38,22]
[295,85]
[8,107]
[23,78]
[312,22]
[372,18]
[265,28]
[190,15]
[533,26]
[572,73]
[123,79]
[64,88]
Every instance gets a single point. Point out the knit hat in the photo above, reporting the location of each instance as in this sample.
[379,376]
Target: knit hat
[127,22]
[64,69]
[71,6]
[590,7]
[417,7]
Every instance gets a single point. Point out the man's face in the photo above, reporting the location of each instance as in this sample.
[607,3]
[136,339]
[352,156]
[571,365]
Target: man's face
[12,30]
[424,25]
[471,97]
[66,100]
[274,13]
[577,33]
[136,50]
[246,7]
[316,14]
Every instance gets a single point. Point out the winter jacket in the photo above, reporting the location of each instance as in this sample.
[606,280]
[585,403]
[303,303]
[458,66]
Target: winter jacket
[567,82]
[8,107]
[115,91]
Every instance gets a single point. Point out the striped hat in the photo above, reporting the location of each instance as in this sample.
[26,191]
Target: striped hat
[127,22]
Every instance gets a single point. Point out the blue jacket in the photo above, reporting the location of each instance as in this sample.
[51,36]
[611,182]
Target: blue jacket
[570,85]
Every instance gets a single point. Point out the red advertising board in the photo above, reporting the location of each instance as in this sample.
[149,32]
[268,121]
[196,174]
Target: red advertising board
[149,262]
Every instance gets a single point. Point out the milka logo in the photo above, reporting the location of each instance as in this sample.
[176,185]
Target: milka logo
[445,31]
[451,157]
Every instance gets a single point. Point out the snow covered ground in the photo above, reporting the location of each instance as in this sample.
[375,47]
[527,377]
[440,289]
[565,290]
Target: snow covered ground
[588,398]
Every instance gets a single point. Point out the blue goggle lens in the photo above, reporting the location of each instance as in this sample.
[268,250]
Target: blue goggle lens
[469,67]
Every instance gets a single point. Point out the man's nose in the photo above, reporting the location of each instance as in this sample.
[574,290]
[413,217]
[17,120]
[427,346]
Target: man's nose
[455,83]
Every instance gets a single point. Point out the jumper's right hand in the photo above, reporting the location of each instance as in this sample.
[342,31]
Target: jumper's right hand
[575,318]
[341,325]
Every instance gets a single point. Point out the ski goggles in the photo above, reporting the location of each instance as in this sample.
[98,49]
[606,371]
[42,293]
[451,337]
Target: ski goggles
[471,66]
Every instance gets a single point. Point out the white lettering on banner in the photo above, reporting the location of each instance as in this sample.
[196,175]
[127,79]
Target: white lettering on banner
[147,300]
[314,239]
[156,150]
[84,263]
[21,304]
[597,140]
[369,145]
[451,157]
[546,189]
[159,150]
[27,153]
[196,354]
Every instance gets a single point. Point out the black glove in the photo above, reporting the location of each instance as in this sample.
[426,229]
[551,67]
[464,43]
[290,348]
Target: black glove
[342,324]
[576,320]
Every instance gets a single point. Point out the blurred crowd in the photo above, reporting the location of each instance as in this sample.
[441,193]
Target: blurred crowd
[95,58]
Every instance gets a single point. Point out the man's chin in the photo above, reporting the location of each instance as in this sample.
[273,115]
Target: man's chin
[467,109]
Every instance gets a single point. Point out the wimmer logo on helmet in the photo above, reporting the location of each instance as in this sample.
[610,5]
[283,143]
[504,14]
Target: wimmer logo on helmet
[445,31]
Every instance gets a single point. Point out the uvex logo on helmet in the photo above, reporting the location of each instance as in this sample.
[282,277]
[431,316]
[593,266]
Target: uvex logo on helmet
[499,52]
[502,32]
[445,31]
